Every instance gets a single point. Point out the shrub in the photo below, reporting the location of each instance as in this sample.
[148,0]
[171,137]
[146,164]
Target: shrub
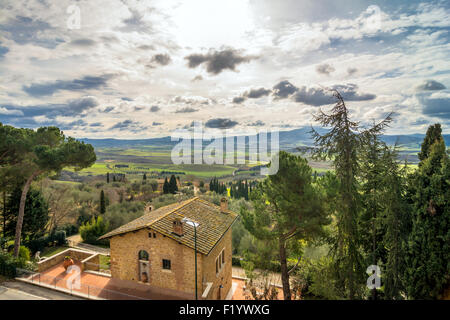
[9,264]
[24,253]
[91,231]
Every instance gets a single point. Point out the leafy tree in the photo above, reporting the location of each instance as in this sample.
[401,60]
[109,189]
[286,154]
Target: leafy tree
[287,208]
[36,214]
[428,258]
[49,151]
[342,144]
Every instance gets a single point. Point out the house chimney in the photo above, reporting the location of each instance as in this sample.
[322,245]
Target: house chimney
[224,205]
[178,227]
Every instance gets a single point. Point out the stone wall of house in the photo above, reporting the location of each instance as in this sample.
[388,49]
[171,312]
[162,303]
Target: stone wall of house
[224,277]
[125,261]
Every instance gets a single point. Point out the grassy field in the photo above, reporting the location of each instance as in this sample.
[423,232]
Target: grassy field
[152,160]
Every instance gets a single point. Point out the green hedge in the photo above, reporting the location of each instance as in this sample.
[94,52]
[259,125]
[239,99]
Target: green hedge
[39,244]
[8,265]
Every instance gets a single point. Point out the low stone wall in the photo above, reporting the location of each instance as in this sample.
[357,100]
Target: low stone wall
[92,263]
[59,258]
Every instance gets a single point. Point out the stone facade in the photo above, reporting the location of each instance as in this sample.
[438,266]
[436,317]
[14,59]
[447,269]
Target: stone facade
[125,264]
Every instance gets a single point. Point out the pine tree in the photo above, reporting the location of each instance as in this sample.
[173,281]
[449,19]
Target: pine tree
[397,223]
[286,208]
[107,177]
[342,145]
[144,177]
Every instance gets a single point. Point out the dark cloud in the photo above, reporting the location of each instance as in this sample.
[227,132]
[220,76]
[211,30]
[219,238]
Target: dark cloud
[130,125]
[197,78]
[257,123]
[257,93]
[252,94]
[431,85]
[323,96]
[3,51]
[325,69]
[82,42]
[154,109]
[314,96]
[350,92]
[162,59]
[238,100]
[284,89]
[186,110]
[108,109]
[136,108]
[436,105]
[155,124]
[218,61]
[24,30]
[78,106]
[351,71]
[96,124]
[85,83]
[126,99]
[24,115]
[220,123]
[146,47]
[135,23]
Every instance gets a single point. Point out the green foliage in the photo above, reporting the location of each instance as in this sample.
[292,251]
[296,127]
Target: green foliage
[36,214]
[91,231]
[119,214]
[216,186]
[342,144]
[166,187]
[428,258]
[287,208]
[9,264]
[433,134]
[173,187]
[102,202]
[24,253]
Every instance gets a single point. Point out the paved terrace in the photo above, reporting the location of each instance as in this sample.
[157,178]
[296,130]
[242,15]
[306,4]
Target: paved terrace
[98,286]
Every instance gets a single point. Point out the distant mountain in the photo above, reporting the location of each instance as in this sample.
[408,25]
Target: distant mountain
[288,140]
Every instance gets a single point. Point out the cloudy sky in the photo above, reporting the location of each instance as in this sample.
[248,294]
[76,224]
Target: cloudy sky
[139,69]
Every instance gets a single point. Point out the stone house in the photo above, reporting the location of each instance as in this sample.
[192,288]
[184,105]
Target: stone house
[159,248]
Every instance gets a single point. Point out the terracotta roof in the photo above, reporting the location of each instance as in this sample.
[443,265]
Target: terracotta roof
[212,223]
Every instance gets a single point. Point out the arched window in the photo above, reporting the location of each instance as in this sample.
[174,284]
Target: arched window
[143,255]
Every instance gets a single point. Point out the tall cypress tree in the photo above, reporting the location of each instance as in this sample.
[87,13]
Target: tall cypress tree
[173,188]
[107,177]
[102,202]
[166,187]
[428,266]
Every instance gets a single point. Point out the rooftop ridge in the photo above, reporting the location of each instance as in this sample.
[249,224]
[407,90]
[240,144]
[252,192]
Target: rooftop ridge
[171,211]
[215,205]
